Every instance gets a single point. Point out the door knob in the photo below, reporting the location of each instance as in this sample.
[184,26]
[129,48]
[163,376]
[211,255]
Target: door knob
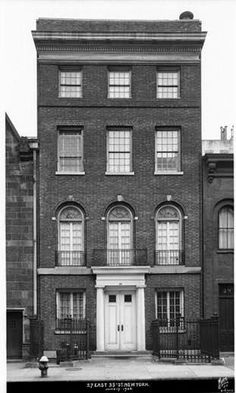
[122,328]
[118,328]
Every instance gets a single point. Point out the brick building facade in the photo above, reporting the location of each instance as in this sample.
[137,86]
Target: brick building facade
[119,129]
[20,271]
[218,223]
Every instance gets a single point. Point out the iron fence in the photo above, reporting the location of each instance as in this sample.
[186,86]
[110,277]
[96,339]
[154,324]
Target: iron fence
[70,258]
[185,339]
[169,257]
[119,257]
[75,343]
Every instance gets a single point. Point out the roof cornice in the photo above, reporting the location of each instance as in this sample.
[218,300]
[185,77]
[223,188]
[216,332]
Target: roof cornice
[194,37]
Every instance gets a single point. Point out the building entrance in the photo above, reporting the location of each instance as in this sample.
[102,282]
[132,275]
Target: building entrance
[120,321]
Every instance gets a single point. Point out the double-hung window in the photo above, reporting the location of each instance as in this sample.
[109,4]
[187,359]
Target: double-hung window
[226,228]
[70,306]
[168,84]
[119,83]
[70,83]
[168,155]
[119,151]
[170,308]
[70,150]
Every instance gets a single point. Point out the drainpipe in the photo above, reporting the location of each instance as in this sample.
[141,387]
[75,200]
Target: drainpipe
[34,147]
[34,236]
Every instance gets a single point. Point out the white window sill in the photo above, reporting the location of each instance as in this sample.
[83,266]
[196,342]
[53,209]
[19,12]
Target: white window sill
[70,173]
[119,173]
[169,173]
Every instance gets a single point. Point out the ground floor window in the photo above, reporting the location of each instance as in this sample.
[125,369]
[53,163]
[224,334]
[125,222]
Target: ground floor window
[70,310]
[170,308]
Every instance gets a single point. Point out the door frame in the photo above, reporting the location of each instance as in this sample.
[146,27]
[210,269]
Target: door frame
[120,277]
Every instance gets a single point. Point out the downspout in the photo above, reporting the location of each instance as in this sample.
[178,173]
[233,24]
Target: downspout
[34,233]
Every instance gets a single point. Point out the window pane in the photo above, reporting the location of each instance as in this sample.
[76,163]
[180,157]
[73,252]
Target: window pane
[65,309]
[167,84]
[226,228]
[70,84]
[169,307]
[70,152]
[119,151]
[167,151]
[162,305]
[119,85]
[78,305]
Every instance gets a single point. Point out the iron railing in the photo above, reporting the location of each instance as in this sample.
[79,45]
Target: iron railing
[169,257]
[119,257]
[209,336]
[75,343]
[191,340]
[70,258]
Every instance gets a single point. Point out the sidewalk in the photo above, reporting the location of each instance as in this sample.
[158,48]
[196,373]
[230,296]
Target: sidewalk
[102,369]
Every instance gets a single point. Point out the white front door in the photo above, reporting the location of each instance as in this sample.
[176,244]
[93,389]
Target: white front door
[120,321]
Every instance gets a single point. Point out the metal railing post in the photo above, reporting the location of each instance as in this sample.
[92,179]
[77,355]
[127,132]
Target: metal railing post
[177,334]
[87,339]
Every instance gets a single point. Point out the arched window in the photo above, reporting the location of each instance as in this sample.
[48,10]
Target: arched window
[169,236]
[71,237]
[120,236]
[226,227]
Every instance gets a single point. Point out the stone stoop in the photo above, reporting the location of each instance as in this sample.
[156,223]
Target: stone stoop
[142,355]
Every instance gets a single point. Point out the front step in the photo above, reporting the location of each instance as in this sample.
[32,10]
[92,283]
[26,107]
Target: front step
[123,355]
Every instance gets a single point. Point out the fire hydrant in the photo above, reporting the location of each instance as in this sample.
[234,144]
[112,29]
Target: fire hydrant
[43,366]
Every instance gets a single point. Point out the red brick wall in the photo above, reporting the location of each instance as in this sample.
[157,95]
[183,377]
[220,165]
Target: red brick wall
[218,265]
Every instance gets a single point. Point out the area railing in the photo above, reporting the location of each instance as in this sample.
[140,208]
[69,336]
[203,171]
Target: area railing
[119,257]
[169,257]
[70,258]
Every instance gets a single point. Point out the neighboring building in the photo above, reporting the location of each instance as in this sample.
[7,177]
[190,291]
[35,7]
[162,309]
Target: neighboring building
[20,271]
[218,234]
[119,130]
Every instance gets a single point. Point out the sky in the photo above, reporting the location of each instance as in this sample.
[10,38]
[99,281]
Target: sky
[18,19]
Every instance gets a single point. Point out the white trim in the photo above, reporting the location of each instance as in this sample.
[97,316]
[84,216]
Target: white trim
[119,174]
[64,270]
[174,269]
[69,173]
[145,36]
[169,173]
